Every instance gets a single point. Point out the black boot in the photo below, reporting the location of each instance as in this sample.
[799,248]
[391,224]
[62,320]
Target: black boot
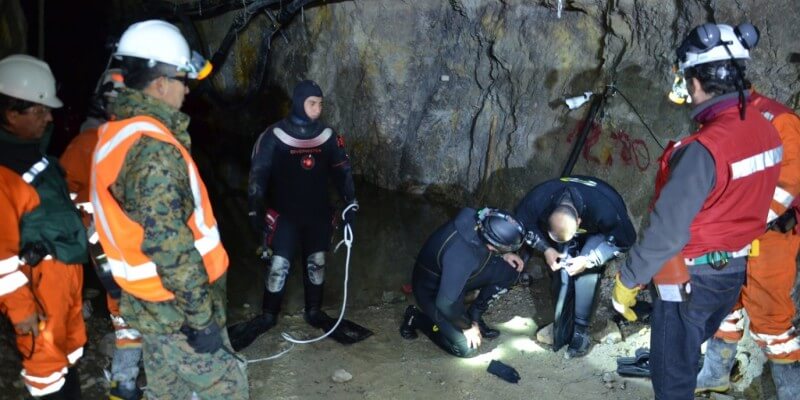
[407,329]
[487,332]
[580,343]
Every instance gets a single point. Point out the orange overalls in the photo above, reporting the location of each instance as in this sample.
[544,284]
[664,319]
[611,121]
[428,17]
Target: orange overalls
[52,288]
[771,275]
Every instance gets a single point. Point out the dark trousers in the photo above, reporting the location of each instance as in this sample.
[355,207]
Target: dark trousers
[680,328]
[308,237]
[492,281]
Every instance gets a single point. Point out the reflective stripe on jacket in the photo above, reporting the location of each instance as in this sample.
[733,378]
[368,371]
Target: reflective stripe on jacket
[747,156]
[122,237]
[787,123]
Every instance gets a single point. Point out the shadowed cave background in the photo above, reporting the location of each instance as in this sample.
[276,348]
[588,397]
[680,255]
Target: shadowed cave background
[459,101]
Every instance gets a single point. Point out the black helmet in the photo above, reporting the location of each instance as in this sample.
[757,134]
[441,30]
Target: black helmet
[500,229]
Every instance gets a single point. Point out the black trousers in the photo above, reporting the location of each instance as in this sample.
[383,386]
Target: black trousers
[494,279]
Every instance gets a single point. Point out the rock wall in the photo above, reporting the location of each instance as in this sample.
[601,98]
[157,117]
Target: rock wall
[463,99]
[13,28]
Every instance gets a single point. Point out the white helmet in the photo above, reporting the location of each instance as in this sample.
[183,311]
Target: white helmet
[709,42]
[28,78]
[161,41]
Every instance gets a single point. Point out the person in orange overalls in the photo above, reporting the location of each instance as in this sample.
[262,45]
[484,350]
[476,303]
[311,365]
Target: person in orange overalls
[42,239]
[766,296]
[77,161]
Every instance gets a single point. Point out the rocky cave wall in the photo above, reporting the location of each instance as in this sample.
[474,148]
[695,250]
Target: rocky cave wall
[463,99]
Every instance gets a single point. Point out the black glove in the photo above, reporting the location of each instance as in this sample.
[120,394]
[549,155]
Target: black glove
[206,340]
[33,253]
[503,371]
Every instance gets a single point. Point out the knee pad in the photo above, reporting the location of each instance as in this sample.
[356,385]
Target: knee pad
[278,271]
[315,264]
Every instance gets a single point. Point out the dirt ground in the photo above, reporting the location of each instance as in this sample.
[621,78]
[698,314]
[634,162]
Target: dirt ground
[386,366]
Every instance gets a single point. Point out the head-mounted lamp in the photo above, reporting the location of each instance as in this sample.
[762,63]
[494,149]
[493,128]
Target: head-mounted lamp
[680,90]
[198,67]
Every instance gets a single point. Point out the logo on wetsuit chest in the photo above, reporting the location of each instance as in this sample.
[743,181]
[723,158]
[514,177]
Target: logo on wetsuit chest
[307,161]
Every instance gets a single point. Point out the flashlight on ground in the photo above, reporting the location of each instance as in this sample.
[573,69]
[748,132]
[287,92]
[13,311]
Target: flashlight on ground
[578,101]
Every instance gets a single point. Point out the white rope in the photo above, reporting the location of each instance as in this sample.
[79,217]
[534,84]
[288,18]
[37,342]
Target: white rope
[272,357]
[348,242]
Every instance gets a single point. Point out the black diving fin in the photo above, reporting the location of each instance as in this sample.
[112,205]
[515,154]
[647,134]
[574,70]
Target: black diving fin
[245,333]
[348,332]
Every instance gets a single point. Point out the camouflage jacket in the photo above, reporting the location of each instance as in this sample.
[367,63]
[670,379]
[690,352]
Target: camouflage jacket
[153,189]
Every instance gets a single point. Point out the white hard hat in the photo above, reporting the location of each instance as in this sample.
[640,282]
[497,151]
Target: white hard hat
[161,41]
[716,42]
[28,78]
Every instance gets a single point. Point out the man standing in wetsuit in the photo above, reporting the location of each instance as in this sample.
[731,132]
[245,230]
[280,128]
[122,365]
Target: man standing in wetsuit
[473,251]
[587,225]
[292,164]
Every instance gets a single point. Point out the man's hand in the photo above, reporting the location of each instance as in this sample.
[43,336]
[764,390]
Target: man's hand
[30,324]
[576,265]
[473,335]
[624,298]
[551,258]
[514,260]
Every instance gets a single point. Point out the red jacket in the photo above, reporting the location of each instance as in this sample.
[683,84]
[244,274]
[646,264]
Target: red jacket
[747,155]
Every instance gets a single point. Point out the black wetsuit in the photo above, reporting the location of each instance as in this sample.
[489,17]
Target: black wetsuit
[604,221]
[292,165]
[452,261]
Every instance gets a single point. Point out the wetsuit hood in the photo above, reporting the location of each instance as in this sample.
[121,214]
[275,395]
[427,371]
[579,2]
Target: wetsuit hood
[302,91]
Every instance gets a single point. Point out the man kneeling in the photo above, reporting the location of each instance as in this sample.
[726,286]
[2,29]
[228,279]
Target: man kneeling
[473,251]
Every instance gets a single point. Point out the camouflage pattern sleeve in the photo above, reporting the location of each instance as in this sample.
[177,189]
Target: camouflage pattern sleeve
[158,196]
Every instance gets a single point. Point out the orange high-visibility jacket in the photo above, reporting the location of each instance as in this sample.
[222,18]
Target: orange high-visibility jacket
[77,162]
[56,285]
[122,237]
[788,125]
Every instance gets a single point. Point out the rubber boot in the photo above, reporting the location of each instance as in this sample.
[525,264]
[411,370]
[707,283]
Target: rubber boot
[580,343]
[786,377]
[716,373]
[476,314]
[270,307]
[407,329]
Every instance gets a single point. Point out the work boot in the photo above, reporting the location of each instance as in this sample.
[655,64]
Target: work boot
[716,373]
[407,329]
[786,377]
[580,343]
[124,392]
